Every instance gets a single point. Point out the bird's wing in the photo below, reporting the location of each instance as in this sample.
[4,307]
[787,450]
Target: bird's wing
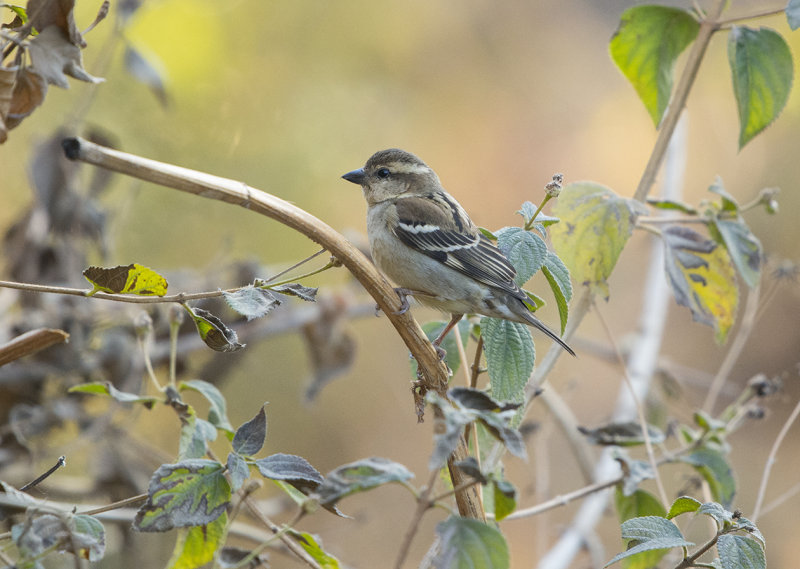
[442,231]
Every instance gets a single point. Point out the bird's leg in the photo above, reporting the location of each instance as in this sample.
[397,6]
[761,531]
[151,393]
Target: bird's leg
[436,343]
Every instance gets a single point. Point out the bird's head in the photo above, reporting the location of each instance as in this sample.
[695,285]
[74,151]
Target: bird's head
[392,173]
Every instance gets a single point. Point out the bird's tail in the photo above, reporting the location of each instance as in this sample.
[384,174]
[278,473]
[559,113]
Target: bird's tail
[539,325]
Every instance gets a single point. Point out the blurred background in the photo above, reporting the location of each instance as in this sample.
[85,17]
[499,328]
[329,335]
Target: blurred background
[496,97]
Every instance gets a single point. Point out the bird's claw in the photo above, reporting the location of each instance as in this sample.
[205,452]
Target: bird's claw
[404,304]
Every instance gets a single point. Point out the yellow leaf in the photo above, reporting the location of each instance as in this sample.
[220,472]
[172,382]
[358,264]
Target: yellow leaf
[702,278]
[126,279]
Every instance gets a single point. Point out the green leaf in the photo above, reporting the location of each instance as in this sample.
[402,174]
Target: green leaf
[505,498]
[722,516]
[671,205]
[639,504]
[470,544]
[88,536]
[528,209]
[793,14]
[634,471]
[18,10]
[526,251]
[217,412]
[729,203]
[557,275]
[359,476]
[238,469]
[739,552]
[646,45]
[707,422]
[195,434]
[313,546]
[595,225]
[197,545]
[714,468]
[743,247]
[250,437]
[126,279]
[213,331]
[294,470]
[762,69]
[683,505]
[509,357]
[650,533]
[105,388]
[189,493]
[251,302]
[701,277]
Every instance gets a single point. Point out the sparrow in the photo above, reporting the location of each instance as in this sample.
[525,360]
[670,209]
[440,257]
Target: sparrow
[423,240]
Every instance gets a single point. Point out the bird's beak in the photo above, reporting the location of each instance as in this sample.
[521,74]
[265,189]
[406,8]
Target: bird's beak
[356,176]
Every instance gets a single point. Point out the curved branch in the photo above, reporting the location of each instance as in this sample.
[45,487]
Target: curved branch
[433,372]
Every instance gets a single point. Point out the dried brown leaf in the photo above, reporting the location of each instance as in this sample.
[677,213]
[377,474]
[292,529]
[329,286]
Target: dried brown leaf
[29,93]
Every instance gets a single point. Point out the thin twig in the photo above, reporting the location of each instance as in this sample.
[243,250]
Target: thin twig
[736,348]
[116,505]
[563,500]
[707,28]
[651,456]
[762,489]
[423,505]
[764,14]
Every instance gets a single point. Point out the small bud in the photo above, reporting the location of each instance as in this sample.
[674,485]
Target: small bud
[176,314]
[553,188]
[768,198]
[143,324]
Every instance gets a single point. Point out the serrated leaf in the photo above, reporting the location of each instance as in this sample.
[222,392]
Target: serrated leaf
[88,536]
[470,544]
[595,225]
[650,533]
[189,493]
[213,331]
[762,70]
[106,388]
[251,302]
[359,476]
[748,526]
[217,412]
[714,468]
[557,275]
[638,504]
[250,437]
[793,14]
[510,355]
[716,511]
[628,433]
[743,247]
[671,205]
[701,277]
[294,470]
[684,504]
[196,546]
[313,546]
[645,47]
[293,289]
[452,357]
[238,469]
[126,279]
[505,498]
[81,535]
[525,250]
[739,552]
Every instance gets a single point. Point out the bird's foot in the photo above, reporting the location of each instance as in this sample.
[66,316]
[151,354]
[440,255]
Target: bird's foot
[403,293]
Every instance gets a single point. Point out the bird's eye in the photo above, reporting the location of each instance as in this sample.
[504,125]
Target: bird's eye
[383,173]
